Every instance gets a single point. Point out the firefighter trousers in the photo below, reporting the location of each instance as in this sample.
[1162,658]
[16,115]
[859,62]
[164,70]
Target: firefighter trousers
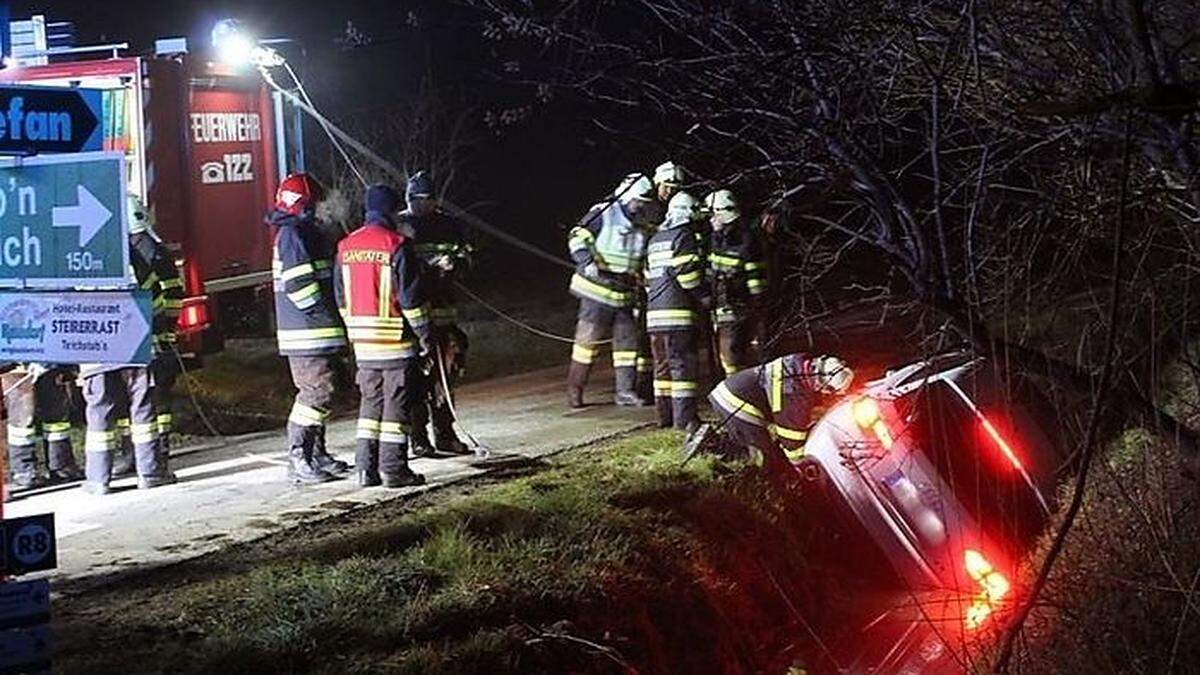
[313,377]
[106,395]
[34,405]
[676,370]
[385,408]
[735,345]
[433,401]
[598,322]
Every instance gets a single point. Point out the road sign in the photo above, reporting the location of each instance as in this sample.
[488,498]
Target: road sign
[25,650]
[24,603]
[63,222]
[35,120]
[29,544]
[75,326]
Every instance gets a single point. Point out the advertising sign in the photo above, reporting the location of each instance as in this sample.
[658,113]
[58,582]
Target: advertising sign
[75,327]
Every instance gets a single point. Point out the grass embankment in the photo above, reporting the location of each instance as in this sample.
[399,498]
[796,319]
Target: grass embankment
[606,556]
[1125,594]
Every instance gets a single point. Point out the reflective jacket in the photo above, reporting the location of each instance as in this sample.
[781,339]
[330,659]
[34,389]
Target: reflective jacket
[738,269]
[307,322]
[675,275]
[773,402]
[378,288]
[440,243]
[155,269]
[608,238]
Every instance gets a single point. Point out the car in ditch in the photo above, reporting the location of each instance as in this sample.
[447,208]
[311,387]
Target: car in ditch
[950,469]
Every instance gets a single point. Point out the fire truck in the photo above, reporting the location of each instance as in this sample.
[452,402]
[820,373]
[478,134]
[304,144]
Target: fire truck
[204,147]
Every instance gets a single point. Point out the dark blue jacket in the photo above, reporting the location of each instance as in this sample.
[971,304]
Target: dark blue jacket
[306,316]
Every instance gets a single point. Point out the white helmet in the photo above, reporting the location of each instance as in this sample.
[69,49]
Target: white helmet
[668,173]
[723,207]
[635,186]
[682,209]
[832,374]
[139,215]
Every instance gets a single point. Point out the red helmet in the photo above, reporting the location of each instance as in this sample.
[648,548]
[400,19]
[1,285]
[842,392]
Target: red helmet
[297,192]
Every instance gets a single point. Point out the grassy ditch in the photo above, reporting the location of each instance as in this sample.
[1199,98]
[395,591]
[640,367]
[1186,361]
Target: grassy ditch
[610,557]
[1125,594]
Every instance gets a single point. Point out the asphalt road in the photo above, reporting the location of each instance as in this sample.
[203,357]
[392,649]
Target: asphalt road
[235,490]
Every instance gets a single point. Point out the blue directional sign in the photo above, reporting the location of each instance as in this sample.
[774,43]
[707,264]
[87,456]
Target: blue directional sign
[29,544]
[36,120]
[62,222]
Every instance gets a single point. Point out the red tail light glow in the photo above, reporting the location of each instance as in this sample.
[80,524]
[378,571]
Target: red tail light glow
[1001,443]
[867,415]
[994,586]
[194,316]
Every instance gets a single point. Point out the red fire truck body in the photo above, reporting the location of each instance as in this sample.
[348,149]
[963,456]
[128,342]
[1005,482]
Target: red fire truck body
[203,150]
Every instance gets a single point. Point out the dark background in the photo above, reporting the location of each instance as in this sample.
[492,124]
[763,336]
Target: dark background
[531,178]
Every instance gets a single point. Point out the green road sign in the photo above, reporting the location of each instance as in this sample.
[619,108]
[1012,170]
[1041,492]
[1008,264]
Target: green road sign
[62,222]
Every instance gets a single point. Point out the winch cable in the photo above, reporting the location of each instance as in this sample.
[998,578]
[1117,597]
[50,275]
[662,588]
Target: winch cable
[471,219]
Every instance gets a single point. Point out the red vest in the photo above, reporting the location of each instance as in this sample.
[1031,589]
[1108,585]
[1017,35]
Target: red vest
[368,260]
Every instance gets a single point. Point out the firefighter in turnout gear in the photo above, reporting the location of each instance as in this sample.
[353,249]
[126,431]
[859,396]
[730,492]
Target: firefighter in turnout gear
[309,331]
[608,247]
[677,299]
[166,287]
[37,398]
[112,389]
[440,243]
[377,283]
[769,408]
[739,276]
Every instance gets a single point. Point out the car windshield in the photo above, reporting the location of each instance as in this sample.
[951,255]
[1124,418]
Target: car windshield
[979,464]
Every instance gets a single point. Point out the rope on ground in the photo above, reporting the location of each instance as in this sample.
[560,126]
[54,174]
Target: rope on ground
[517,322]
[192,383]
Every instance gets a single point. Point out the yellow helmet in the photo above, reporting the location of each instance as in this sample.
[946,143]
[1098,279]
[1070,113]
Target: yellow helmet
[635,186]
[669,173]
[832,374]
[682,209]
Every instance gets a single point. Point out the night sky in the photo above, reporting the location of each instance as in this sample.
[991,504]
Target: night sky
[532,179]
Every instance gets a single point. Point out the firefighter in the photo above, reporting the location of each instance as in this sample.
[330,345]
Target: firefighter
[166,289]
[441,245]
[677,298]
[768,409]
[738,271]
[309,331]
[111,389]
[377,282]
[37,398]
[668,180]
[608,247]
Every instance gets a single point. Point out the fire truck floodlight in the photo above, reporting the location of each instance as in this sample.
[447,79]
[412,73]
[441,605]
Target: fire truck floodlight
[236,47]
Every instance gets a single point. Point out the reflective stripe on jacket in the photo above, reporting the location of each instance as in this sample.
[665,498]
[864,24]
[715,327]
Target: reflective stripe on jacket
[676,280]
[607,238]
[776,398]
[378,288]
[306,318]
[738,269]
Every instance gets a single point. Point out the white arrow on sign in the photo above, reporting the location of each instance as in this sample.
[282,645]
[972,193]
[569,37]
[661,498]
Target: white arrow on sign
[89,215]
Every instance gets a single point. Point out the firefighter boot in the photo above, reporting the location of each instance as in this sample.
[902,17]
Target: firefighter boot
[98,470]
[303,469]
[393,467]
[151,466]
[577,378]
[664,407]
[402,477]
[686,415]
[444,438]
[366,463]
[63,468]
[325,461]
[626,393]
[418,436]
